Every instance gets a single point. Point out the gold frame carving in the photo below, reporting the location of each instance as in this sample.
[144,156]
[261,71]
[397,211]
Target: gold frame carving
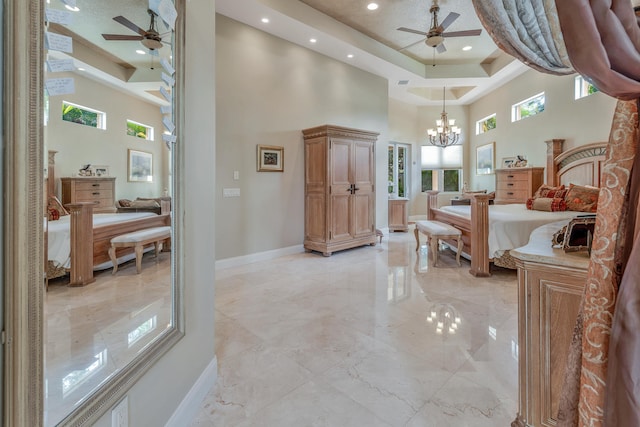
[24,166]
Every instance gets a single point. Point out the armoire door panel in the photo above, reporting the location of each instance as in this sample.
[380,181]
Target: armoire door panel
[315,164]
[315,221]
[363,164]
[340,218]
[340,162]
[362,217]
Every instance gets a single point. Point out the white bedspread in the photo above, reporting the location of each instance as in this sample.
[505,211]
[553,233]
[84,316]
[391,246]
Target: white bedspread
[59,234]
[511,225]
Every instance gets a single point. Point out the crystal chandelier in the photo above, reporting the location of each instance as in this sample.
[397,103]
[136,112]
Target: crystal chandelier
[446,132]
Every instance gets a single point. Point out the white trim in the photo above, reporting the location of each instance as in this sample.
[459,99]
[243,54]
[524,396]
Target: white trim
[190,405]
[259,256]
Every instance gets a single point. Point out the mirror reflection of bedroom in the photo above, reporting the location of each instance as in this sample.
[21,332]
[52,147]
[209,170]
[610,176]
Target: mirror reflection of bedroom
[108,191]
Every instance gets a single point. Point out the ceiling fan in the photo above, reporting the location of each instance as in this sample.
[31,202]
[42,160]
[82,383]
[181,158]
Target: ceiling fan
[436,35]
[150,38]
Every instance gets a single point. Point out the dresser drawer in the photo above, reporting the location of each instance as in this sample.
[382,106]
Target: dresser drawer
[512,185]
[512,196]
[95,194]
[93,185]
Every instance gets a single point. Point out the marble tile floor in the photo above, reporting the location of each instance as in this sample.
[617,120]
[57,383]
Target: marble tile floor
[372,336]
[92,331]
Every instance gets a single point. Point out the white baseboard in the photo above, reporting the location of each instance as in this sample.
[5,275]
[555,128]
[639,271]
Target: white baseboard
[259,256]
[190,405]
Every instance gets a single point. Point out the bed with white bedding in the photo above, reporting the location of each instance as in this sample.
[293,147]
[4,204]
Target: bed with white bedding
[486,233]
[511,225]
[59,234]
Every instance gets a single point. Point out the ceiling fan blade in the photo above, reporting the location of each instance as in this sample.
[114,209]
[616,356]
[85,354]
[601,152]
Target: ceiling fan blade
[441,48]
[121,37]
[409,30]
[452,16]
[130,25]
[412,44]
[462,33]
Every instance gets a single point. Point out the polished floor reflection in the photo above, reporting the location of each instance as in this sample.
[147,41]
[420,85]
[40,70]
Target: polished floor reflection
[92,331]
[372,336]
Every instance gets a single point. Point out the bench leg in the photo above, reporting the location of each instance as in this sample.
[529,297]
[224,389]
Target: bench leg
[158,246]
[459,250]
[139,249]
[417,234]
[114,261]
[433,242]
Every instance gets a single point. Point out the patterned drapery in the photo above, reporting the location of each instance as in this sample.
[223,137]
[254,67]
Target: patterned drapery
[600,39]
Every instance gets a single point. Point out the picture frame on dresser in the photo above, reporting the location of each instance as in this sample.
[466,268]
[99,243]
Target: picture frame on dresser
[100,170]
[508,162]
[139,166]
[485,159]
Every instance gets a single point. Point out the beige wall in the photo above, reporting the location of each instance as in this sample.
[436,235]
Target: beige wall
[578,121]
[268,91]
[154,398]
[78,145]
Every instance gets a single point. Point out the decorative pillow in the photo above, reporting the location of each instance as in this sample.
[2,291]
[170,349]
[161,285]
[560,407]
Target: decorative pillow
[144,204]
[124,203]
[547,204]
[582,199]
[550,192]
[54,204]
[53,214]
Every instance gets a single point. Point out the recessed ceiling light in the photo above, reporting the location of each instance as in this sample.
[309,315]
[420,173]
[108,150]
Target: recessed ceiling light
[466,48]
[72,8]
[80,69]
[372,6]
[312,40]
[140,52]
[350,56]
[265,20]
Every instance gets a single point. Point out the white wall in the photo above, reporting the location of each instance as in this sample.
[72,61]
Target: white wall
[268,90]
[578,121]
[154,398]
[78,145]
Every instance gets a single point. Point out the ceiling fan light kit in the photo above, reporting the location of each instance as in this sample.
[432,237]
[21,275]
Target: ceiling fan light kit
[150,38]
[436,34]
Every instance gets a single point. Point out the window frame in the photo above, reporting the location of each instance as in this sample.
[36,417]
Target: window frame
[516,109]
[438,172]
[581,88]
[481,122]
[149,135]
[101,116]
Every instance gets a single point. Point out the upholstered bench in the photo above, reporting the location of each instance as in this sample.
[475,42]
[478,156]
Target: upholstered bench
[436,231]
[138,240]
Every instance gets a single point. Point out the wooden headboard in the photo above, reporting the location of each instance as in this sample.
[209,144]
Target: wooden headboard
[581,165]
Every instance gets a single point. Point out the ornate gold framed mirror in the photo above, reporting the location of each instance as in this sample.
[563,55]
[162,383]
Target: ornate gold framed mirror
[79,100]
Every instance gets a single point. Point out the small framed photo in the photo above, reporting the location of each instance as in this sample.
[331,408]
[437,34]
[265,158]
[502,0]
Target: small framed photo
[100,170]
[508,162]
[270,158]
[140,166]
[485,159]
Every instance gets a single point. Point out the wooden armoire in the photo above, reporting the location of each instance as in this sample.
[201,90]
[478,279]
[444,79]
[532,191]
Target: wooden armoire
[339,188]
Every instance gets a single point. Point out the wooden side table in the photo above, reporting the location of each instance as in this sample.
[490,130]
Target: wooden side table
[399,214]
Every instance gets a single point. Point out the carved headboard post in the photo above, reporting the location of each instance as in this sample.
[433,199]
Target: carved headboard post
[554,148]
[51,174]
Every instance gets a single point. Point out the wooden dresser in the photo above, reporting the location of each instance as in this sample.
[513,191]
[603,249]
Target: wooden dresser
[550,287]
[339,188]
[516,185]
[399,214]
[100,190]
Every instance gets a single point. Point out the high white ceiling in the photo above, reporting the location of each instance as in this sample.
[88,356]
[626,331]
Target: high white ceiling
[341,28]
[344,27]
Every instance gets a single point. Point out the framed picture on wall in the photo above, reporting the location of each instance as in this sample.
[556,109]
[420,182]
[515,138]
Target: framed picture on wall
[140,166]
[485,159]
[270,158]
